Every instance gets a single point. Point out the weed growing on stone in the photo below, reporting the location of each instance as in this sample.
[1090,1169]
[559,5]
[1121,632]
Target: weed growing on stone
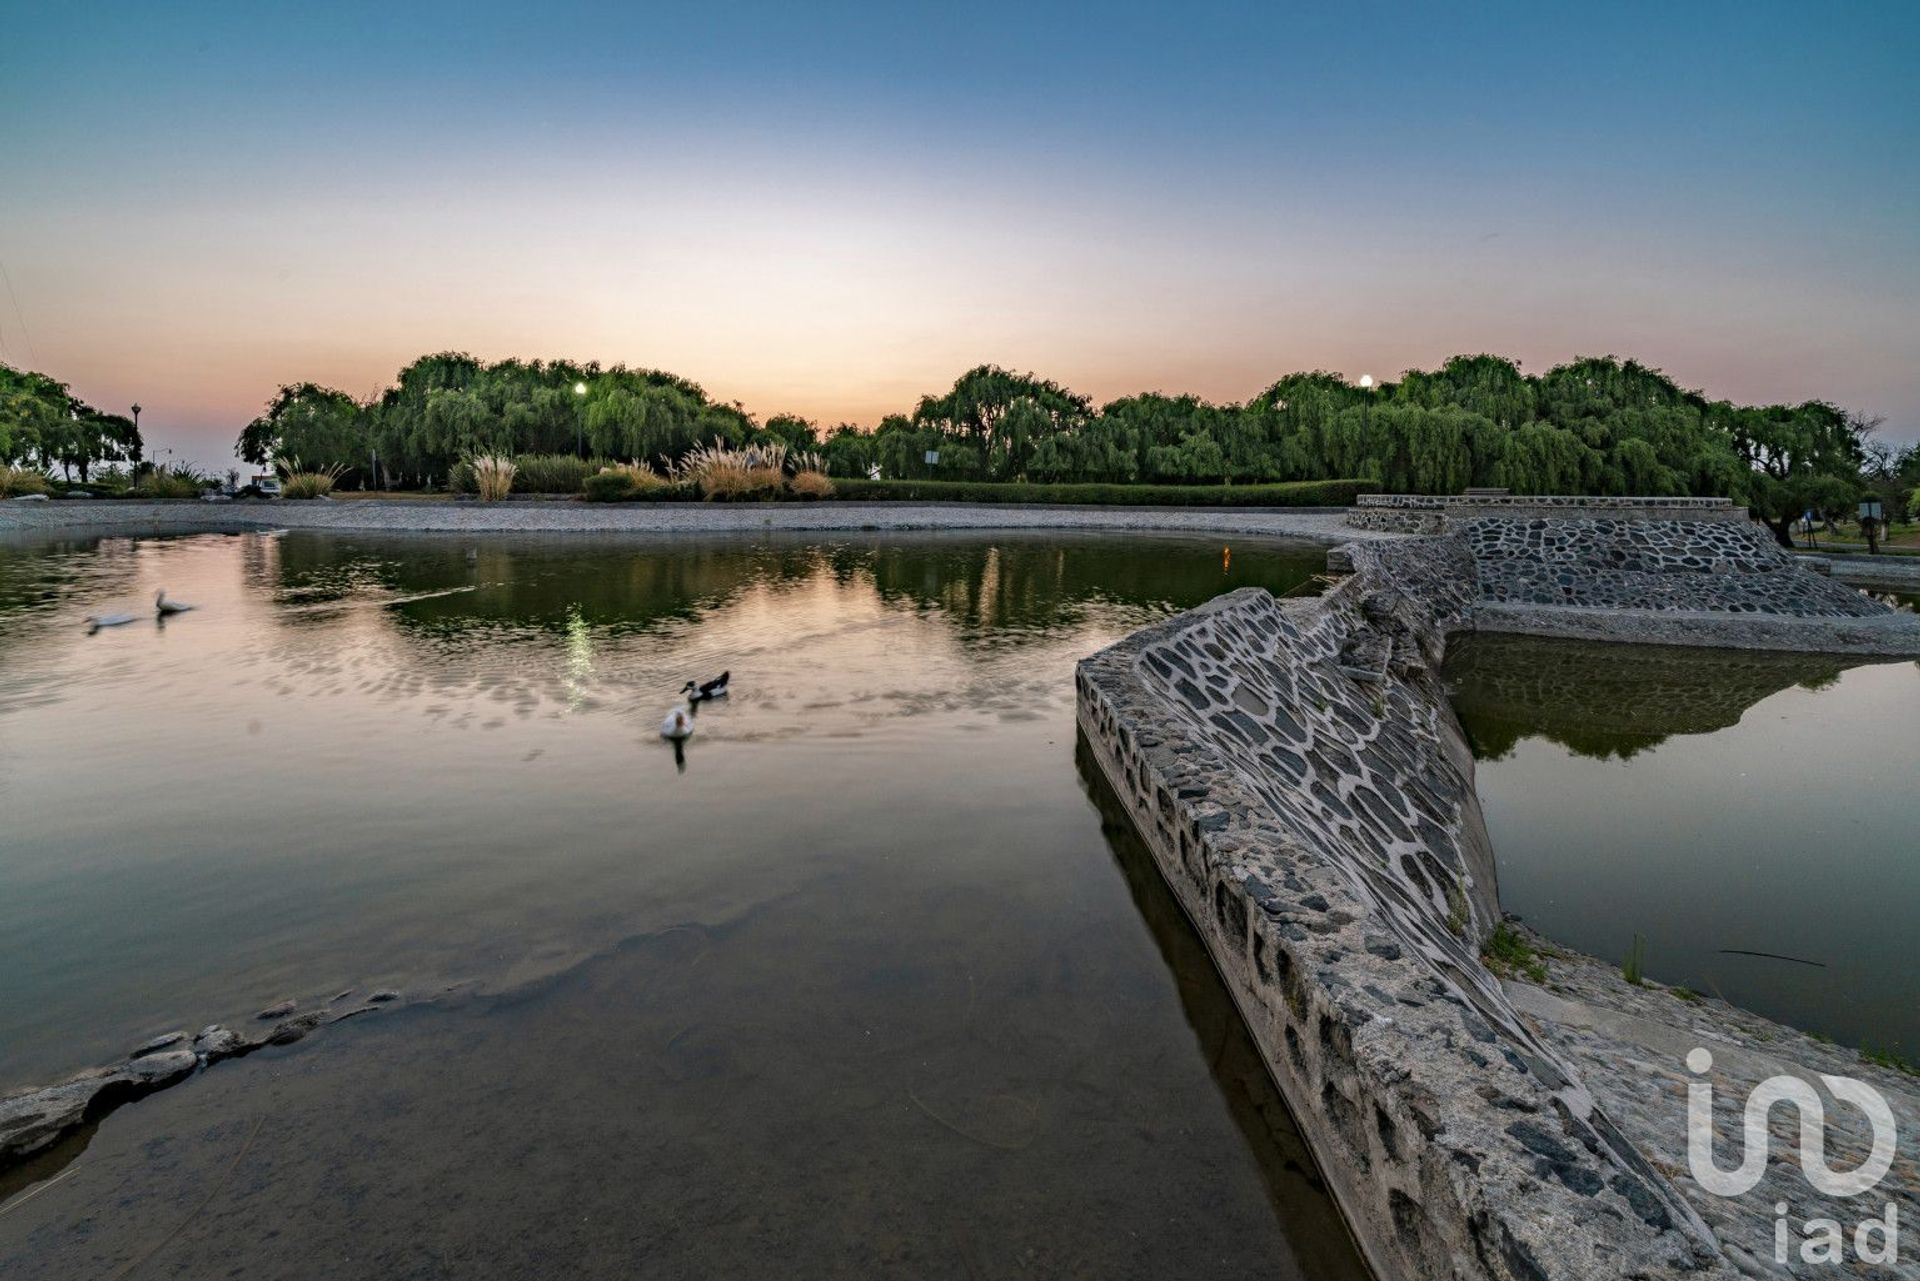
[1507,954]
[1634,970]
[1684,993]
[1891,1059]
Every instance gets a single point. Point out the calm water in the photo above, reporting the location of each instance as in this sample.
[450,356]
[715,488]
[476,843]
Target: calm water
[1716,804]
[868,978]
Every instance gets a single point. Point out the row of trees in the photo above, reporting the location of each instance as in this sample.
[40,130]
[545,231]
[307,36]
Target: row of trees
[45,426]
[1593,426]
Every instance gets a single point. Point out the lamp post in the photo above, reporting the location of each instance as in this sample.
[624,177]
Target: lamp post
[134,473]
[580,421]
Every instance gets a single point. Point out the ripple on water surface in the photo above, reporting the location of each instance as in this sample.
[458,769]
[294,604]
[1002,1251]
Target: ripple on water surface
[860,979]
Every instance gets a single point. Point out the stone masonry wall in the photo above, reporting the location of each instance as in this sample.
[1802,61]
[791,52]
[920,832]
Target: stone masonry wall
[1298,774]
[1666,571]
[1664,565]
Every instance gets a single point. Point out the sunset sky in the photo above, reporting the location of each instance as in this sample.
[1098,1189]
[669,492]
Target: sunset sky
[831,209]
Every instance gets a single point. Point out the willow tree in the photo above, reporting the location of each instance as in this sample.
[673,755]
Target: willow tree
[320,426]
[1001,416]
[1799,458]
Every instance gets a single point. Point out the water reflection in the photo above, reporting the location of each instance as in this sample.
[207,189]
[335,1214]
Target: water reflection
[1611,701]
[863,972]
[418,758]
[1722,805]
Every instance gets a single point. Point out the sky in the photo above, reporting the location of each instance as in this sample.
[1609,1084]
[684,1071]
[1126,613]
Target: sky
[833,209]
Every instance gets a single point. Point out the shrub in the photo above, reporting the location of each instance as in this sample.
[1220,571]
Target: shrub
[175,482]
[1304,493]
[15,481]
[811,484]
[553,473]
[622,482]
[607,487]
[492,476]
[304,482]
[460,479]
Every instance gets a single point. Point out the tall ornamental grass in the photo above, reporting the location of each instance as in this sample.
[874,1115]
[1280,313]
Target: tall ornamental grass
[492,476]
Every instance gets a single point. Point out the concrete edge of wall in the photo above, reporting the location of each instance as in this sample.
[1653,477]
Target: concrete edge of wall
[1893,635]
[1451,1144]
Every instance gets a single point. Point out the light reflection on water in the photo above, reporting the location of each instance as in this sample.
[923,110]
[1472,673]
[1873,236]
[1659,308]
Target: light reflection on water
[420,762]
[1716,803]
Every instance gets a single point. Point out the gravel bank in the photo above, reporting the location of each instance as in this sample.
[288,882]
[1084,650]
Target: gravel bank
[1321,524]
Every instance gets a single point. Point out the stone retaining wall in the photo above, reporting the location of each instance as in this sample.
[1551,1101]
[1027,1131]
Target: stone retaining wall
[1305,789]
[1669,571]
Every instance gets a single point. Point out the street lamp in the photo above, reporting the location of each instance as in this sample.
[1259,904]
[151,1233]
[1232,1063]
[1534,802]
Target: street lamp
[579,423]
[131,475]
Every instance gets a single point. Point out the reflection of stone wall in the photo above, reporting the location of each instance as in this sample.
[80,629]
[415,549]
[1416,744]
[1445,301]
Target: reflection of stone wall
[1299,776]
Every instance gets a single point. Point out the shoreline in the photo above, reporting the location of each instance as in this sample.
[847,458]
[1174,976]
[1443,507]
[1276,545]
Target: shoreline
[1326,525]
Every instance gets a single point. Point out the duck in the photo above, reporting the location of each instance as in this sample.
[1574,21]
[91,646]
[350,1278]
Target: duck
[678,726]
[701,691]
[163,607]
[96,621]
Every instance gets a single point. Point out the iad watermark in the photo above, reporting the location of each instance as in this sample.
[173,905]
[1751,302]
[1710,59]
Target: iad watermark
[1874,1239]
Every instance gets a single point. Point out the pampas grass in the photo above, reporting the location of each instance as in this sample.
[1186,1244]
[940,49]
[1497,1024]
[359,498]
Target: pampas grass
[15,481]
[720,471]
[492,476]
[811,483]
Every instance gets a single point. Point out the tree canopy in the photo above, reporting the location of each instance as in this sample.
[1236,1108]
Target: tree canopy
[44,425]
[1596,425]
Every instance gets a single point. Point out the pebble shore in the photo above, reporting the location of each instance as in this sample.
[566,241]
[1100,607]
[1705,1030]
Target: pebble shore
[1319,524]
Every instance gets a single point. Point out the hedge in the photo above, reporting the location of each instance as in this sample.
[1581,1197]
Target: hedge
[1302,493]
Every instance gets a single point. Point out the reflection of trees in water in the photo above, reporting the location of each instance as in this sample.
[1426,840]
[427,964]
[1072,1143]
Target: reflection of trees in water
[979,586]
[1048,583]
[1603,700]
[42,573]
[579,619]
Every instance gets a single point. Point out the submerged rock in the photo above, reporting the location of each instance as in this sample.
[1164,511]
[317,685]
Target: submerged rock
[160,1042]
[279,1009]
[215,1043]
[36,1120]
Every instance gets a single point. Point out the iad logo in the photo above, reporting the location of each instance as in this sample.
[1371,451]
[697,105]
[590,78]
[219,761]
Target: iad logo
[1875,1240]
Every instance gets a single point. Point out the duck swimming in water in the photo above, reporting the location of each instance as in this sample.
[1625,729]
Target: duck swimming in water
[700,692]
[163,607]
[96,621]
[678,726]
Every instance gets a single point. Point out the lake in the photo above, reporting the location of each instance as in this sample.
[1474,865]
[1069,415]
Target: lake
[1752,817]
[869,977]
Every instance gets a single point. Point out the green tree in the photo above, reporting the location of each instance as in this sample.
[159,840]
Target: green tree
[999,418]
[319,426]
[1798,458]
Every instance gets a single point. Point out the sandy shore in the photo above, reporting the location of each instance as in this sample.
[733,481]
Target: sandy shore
[1320,524]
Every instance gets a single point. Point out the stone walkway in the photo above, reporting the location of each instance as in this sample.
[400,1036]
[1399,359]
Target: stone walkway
[1320,524]
[1632,1045]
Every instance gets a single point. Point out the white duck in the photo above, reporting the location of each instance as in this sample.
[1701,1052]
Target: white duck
[163,607]
[678,726]
[96,621]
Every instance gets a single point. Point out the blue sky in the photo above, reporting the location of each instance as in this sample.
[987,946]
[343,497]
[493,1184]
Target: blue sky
[831,209]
